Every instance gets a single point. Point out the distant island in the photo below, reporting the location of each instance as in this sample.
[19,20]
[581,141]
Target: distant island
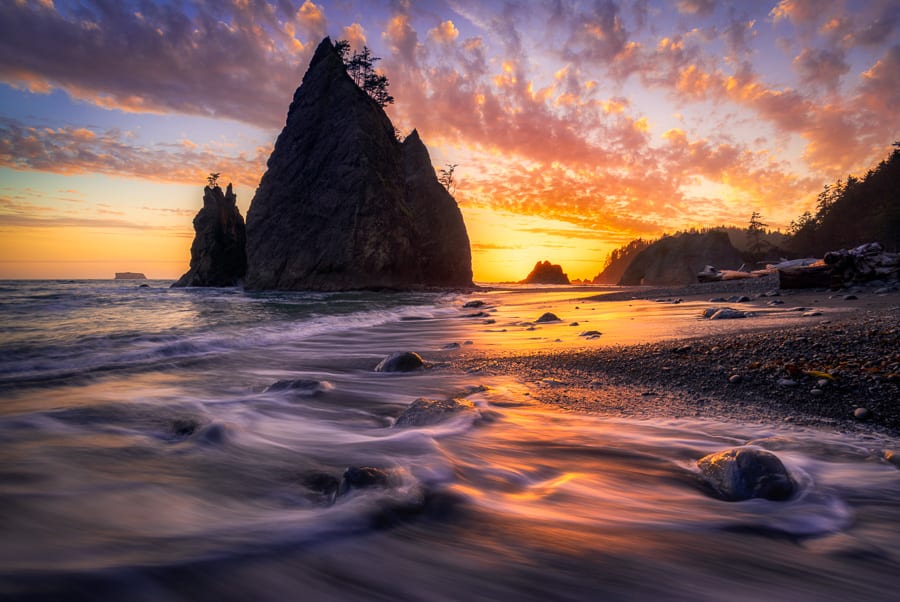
[130,276]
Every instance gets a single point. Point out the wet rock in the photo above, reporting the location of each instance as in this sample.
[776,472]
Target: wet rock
[449,346]
[590,334]
[402,361]
[775,302]
[743,473]
[816,392]
[786,382]
[473,303]
[548,317]
[425,412]
[850,297]
[718,300]
[364,477]
[184,427]
[214,434]
[722,313]
[892,457]
[735,379]
[574,324]
[862,414]
[303,386]
[811,314]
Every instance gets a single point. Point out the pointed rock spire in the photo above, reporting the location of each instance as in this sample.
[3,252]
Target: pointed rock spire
[344,205]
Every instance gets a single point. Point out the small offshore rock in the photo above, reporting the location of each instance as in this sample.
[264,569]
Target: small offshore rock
[574,324]
[548,317]
[590,334]
[425,412]
[735,379]
[862,413]
[473,303]
[402,361]
[743,473]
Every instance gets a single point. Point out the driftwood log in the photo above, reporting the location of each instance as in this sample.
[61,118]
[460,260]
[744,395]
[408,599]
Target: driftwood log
[846,267]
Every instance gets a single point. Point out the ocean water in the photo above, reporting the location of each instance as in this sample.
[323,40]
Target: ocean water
[145,455]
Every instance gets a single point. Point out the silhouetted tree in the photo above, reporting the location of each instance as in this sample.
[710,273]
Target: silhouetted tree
[361,69]
[212,180]
[756,229]
[446,176]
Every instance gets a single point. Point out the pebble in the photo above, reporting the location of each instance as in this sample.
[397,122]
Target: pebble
[811,314]
[822,383]
[574,324]
[862,413]
[815,392]
[735,379]
[786,382]
[850,297]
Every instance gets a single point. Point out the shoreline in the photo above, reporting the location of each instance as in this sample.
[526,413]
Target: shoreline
[815,373]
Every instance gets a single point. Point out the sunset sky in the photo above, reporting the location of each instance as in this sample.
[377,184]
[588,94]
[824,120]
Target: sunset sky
[576,126]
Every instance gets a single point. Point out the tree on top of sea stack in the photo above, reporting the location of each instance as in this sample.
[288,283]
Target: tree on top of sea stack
[344,205]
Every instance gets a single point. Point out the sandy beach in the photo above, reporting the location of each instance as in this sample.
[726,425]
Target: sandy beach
[835,364]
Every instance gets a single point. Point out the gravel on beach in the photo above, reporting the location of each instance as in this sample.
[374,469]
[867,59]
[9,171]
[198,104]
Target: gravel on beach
[842,373]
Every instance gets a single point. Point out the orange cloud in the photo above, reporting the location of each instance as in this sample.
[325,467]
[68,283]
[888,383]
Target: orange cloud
[80,150]
[445,32]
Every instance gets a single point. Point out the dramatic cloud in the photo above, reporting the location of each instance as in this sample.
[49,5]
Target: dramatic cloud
[80,150]
[235,60]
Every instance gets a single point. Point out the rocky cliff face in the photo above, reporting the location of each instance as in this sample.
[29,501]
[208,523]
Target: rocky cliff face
[218,253]
[545,272]
[345,205]
[678,259]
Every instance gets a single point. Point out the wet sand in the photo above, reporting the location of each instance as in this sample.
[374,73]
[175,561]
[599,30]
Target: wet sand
[838,368]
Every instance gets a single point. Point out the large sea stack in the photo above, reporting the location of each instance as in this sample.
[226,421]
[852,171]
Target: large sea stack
[676,260]
[218,253]
[345,205]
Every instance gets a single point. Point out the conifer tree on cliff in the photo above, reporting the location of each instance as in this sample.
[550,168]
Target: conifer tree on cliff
[361,68]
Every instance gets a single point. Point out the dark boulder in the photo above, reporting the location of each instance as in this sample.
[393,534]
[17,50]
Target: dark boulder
[345,205]
[218,253]
[676,260]
[425,412]
[743,473]
[402,361]
[546,273]
[547,317]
